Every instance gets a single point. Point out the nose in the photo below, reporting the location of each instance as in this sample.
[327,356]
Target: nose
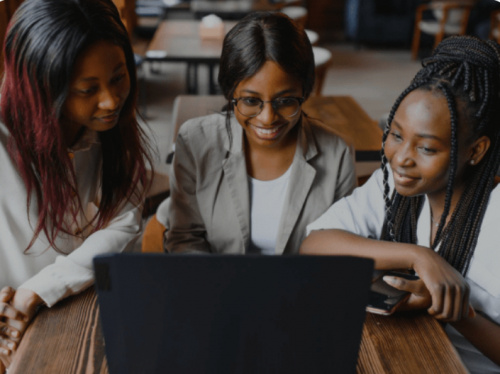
[403,155]
[267,115]
[109,99]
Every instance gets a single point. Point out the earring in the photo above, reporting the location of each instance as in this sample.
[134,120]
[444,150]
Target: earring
[472,162]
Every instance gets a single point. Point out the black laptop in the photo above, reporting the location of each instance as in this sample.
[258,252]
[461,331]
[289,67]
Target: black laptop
[232,314]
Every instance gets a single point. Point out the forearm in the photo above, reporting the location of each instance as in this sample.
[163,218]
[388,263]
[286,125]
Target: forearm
[483,334]
[387,255]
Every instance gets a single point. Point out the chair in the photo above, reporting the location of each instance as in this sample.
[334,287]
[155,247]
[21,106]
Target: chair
[495,26]
[313,36]
[297,13]
[154,232]
[379,21]
[449,18]
[322,60]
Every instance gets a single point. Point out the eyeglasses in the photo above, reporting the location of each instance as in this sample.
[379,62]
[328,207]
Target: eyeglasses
[252,106]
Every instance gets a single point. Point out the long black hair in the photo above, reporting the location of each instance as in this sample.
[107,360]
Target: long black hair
[466,70]
[43,41]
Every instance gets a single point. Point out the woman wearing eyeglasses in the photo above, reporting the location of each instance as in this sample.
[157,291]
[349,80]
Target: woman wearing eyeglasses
[250,180]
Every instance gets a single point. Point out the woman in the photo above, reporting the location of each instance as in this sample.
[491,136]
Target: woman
[250,181]
[72,155]
[434,207]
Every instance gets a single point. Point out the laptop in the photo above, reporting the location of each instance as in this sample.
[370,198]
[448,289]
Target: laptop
[232,314]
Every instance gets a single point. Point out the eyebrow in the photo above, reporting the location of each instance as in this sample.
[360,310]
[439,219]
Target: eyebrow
[115,70]
[277,95]
[423,136]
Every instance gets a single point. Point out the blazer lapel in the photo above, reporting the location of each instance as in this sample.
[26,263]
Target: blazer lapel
[300,183]
[236,176]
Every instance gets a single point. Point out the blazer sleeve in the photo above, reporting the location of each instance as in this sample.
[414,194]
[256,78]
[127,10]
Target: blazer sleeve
[346,181]
[187,232]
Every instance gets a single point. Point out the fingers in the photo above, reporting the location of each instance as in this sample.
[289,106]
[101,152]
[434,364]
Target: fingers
[6,294]
[8,311]
[450,302]
[8,331]
[414,286]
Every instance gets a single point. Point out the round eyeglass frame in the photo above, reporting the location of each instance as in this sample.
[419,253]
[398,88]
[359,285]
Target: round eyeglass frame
[301,100]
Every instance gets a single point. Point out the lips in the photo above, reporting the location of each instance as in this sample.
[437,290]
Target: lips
[267,132]
[109,118]
[403,178]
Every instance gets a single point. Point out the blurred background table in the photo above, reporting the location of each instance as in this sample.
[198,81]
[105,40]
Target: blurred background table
[180,41]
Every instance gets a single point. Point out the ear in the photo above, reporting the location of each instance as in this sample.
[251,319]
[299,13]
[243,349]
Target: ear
[478,149]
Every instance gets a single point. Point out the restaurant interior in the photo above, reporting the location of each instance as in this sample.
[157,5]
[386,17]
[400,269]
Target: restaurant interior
[365,50]
[366,53]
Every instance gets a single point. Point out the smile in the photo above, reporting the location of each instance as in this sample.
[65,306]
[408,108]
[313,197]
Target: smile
[404,179]
[267,132]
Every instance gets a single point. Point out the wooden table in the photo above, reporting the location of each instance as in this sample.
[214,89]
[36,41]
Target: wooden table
[236,9]
[180,41]
[68,339]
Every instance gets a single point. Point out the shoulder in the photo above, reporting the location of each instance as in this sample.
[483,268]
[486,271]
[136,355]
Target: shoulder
[203,128]
[203,137]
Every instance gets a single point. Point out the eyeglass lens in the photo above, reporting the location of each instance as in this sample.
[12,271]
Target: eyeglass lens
[284,106]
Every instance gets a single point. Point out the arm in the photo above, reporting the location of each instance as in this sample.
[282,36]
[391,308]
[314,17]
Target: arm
[74,272]
[483,334]
[186,226]
[448,290]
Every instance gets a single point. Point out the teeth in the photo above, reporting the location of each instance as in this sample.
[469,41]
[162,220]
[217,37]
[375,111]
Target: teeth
[270,131]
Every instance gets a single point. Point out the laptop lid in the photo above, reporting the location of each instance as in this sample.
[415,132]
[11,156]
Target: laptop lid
[232,314]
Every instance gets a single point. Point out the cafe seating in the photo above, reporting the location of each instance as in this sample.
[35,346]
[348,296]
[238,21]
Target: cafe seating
[297,13]
[322,60]
[495,26]
[448,18]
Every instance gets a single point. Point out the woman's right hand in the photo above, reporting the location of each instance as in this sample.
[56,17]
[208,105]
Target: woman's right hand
[448,289]
[8,335]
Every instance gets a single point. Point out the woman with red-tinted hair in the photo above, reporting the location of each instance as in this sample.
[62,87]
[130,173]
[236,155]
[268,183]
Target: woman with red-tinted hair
[72,155]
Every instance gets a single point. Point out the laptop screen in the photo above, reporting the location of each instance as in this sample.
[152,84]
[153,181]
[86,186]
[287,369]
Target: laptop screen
[232,314]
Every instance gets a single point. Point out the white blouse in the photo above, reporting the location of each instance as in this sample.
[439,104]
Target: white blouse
[51,275]
[363,213]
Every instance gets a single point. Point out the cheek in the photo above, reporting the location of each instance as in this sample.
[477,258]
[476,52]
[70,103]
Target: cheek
[389,149]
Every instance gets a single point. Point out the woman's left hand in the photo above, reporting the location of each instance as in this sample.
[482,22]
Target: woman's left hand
[448,288]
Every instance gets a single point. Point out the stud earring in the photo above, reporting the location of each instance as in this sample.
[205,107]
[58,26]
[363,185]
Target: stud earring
[472,162]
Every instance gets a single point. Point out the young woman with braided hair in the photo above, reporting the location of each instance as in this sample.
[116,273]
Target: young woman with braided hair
[433,207]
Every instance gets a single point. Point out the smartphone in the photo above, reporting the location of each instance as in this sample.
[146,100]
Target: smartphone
[384,299]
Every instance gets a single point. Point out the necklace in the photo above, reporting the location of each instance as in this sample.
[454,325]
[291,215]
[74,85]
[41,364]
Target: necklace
[434,222]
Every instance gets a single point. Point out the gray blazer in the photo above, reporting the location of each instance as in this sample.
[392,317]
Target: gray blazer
[210,202]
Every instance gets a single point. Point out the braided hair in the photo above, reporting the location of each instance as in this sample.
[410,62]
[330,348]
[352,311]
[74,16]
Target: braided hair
[466,70]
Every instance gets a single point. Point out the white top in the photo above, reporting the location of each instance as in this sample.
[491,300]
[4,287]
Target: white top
[49,274]
[363,213]
[266,205]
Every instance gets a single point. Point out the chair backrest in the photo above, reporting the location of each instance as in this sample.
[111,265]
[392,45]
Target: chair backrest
[297,13]
[322,60]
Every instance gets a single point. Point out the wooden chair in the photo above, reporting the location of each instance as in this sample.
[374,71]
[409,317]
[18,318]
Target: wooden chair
[297,13]
[322,61]
[495,26]
[450,18]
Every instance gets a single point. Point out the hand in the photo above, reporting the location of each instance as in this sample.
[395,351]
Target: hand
[25,301]
[448,289]
[8,335]
[420,297]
